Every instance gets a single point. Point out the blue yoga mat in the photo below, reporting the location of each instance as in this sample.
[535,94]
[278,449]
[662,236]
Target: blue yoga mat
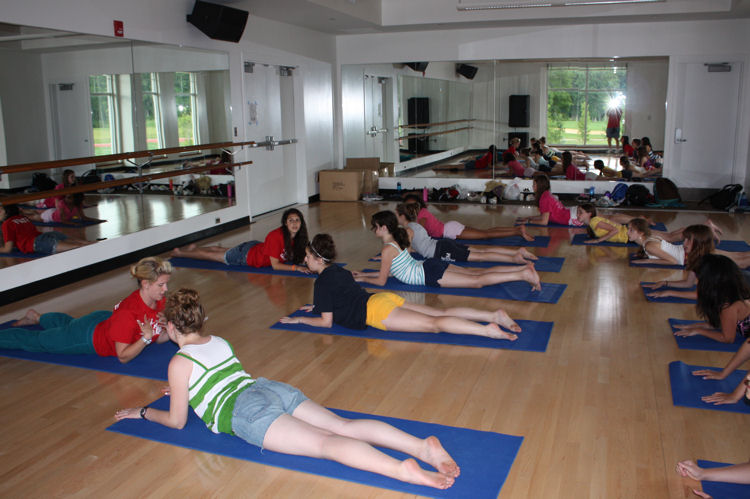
[20,254]
[82,223]
[538,242]
[193,263]
[700,342]
[722,490]
[533,337]
[687,389]
[485,457]
[152,363]
[655,265]
[541,264]
[735,246]
[517,290]
[578,240]
[666,299]
[553,224]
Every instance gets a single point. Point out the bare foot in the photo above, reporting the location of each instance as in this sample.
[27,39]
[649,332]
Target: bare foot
[433,453]
[525,235]
[503,319]
[527,254]
[31,318]
[494,331]
[411,472]
[519,258]
[532,277]
[176,252]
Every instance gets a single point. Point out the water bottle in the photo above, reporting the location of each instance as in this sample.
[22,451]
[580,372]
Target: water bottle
[398,187]
[424,194]
[591,192]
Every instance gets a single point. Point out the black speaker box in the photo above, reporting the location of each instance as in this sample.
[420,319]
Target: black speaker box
[420,67]
[418,110]
[466,71]
[218,21]
[519,111]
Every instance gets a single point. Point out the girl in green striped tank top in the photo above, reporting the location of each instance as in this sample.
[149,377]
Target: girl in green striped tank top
[206,376]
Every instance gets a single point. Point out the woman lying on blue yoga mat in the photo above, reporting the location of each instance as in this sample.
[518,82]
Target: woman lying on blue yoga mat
[339,300]
[283,248]
[449,249]
[206,375]
[395,260]
[133,325]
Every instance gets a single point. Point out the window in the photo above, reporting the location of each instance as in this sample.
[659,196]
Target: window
[186,98]
[104,114]
[152,111]
[578,99]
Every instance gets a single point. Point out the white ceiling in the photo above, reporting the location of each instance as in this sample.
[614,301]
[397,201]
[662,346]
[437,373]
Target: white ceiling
[341,17]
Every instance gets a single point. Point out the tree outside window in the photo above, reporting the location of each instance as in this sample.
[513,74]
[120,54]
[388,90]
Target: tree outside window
[104,114]
[152,111]
[577,102]
[186,97]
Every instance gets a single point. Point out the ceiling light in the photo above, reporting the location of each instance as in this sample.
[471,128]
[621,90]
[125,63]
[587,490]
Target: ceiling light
[557,3]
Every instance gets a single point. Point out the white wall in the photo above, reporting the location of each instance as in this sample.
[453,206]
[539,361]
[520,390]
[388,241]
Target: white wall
[708,39]
[164,22]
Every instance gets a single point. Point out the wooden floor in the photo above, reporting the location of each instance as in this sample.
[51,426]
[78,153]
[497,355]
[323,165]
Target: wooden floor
[595,409]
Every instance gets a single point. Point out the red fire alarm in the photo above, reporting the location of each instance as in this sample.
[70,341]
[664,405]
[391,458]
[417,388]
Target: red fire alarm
[119,28]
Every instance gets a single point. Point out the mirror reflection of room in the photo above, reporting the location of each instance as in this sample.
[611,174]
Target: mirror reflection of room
[439,119]
[83,96]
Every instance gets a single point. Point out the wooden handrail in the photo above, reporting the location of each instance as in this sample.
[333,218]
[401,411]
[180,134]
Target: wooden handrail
[22,198]
[418,135]
[46,165]
[423,125]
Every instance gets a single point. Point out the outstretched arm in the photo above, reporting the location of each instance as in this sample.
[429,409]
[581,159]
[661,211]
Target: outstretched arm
[386,257]
[726,334]
[736,473]
[611,231]
[176,417]
[325,320]
[277,265]
[740,357]
[720,398]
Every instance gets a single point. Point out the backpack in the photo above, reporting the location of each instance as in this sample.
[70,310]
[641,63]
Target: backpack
[665,191]
[618,193]
[42,182]
[638,195]
[725,198]
[90,177]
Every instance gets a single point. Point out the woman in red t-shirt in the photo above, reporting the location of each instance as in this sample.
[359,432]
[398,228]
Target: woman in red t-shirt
[283,248]
[124,333]
[18,230]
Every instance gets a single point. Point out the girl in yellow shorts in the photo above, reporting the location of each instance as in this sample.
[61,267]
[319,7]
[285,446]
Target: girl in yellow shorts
[340,300]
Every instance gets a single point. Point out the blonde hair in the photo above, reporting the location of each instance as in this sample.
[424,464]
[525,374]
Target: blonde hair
[185,311]
[150,268]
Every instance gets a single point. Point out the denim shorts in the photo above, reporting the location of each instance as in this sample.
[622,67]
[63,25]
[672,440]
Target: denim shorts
[46,242]
[434,269]
[449,250]
[238,254]
[261,404]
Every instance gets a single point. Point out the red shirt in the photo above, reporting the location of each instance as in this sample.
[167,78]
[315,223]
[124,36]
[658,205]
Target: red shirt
[516,168]
[558,213]
[613,118]
[260,254]
[122,326]
[484,161]
[21,231]
[628,150]
[573,173]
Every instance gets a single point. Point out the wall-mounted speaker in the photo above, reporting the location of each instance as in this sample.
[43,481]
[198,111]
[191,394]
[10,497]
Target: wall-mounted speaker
[519,112]
[466,71]
[419,67]
[218,21]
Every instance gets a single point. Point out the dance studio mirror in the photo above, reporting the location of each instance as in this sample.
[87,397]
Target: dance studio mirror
[417,114]
[73,95]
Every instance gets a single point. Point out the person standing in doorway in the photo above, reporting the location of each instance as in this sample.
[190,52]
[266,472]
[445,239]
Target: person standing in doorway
[614,116]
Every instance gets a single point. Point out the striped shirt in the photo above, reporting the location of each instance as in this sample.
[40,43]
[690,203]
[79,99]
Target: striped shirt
[215,382]
[406,269]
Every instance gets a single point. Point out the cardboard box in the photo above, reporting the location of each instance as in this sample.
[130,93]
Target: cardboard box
[386,170]
[340,185]
[362,164]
